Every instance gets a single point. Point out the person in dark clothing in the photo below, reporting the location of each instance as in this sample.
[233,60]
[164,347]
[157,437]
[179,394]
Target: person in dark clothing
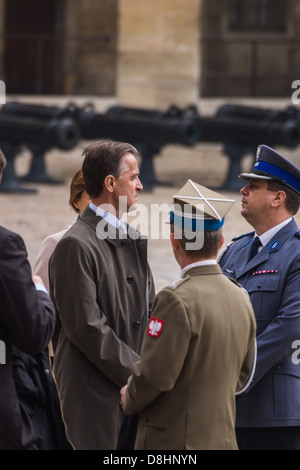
[38,397]
[27,321]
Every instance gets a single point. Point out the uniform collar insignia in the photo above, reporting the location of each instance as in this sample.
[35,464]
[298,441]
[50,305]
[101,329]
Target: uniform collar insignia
[275,245]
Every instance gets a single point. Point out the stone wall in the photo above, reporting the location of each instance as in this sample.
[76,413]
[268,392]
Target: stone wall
[90,47]
[158,52]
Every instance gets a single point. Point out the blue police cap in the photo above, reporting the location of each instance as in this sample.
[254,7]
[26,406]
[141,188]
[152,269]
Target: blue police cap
[270,165]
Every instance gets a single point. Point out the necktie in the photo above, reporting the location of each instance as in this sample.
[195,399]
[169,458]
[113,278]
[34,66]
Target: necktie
[255,244]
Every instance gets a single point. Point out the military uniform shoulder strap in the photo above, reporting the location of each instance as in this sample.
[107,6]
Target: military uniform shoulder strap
[175,284]
[238,284]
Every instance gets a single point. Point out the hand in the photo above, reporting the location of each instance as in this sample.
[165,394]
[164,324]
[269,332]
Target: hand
[38,280]
[122,392]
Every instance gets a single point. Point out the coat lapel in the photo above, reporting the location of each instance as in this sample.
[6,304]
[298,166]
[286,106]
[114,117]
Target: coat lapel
[274,245]
[242,268]
[112,234]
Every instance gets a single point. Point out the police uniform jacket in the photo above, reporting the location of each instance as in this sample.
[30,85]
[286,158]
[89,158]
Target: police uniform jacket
[197,353]
[27,320]
[272,280]
[100,290]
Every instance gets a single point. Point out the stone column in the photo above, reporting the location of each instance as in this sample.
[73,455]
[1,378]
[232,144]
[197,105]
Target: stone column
[158,52]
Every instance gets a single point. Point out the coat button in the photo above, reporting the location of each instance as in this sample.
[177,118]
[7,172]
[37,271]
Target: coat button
[130,279]
[136,324]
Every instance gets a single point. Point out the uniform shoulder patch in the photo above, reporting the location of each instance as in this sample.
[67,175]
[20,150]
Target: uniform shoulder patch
[155,327]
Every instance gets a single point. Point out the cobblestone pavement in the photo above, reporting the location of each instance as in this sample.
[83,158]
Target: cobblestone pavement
[34,216]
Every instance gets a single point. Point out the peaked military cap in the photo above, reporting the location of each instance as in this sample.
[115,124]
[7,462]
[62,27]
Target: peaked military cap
[198,208]
[270,165]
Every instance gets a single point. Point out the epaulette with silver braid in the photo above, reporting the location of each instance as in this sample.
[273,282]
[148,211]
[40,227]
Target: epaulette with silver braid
[223,251]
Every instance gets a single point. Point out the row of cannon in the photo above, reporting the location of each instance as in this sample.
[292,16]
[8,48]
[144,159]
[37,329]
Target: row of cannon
[40,128]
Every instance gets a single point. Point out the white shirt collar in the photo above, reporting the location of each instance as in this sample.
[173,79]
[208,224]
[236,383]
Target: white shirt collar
[197,263]
[267,236]
[111,218]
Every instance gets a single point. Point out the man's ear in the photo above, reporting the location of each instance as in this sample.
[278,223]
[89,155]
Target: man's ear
[174,241]
[279,198]
[222,241]
[109,183]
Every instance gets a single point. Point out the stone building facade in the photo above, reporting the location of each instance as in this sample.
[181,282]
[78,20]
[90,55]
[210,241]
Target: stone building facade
[150,53]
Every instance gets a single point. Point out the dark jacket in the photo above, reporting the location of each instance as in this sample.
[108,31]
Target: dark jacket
[38,398]
[27,320]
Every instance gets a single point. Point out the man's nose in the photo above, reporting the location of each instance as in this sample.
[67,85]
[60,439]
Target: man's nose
[243,191]
[139,186]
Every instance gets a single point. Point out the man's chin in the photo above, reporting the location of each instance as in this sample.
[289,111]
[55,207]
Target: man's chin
[132,207]
[244,213]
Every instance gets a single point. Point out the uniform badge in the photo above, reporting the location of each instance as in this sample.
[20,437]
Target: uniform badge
[155,327]
[258,152]
[274,246]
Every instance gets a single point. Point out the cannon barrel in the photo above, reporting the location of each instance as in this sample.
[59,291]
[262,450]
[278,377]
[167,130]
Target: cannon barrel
[138,126]
[240,128]
[118,123]
[245,133]
[258,114]
[38,111]
[61,133]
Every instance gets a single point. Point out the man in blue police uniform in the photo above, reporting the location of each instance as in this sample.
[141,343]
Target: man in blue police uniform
[268,415]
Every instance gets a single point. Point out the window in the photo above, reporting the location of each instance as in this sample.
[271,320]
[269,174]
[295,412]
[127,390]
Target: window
[257,15]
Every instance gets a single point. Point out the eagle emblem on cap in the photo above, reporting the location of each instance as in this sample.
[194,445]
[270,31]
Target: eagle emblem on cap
[155,327]
[258,153]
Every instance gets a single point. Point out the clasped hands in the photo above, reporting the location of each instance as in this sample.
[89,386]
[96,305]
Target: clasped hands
[122,393]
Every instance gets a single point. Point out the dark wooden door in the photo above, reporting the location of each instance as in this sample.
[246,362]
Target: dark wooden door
[31,46]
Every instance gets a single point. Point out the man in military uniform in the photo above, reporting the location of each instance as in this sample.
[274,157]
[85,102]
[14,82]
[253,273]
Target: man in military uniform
[199,349]
[268,416]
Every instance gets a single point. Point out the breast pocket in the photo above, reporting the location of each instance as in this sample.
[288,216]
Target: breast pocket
[264,294]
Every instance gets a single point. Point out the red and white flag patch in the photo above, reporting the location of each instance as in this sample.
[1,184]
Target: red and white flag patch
[155,327]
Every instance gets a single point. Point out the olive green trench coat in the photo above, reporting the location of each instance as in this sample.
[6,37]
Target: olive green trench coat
[102,290]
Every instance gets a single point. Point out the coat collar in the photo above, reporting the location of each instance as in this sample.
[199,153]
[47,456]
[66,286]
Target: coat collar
[274,245]
[203,270]
[113,235]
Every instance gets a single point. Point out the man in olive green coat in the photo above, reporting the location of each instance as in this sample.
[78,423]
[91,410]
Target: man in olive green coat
[101,286]
[199,350]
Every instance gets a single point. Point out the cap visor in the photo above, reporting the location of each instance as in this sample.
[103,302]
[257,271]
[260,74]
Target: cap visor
[249,176]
